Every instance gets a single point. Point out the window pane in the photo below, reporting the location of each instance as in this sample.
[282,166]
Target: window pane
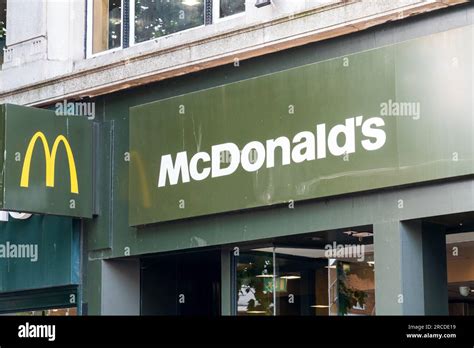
[355,288]
[302,284]
[3,27]
[255,283]
[460,266]
[107,30]
[231,7]
[156,18]
[320,274]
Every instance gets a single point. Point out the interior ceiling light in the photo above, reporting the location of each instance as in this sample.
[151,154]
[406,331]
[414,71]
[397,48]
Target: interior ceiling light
[190,2]
[290,276]
[320,306]
[261,3]
[358,234]
[264,276]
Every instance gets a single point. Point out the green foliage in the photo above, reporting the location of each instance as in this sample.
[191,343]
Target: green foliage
[348,297]
[230,7]
[3,30]
[156,18]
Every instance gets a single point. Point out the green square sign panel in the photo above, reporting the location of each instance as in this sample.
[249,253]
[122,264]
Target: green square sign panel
[391,116]
[47,166]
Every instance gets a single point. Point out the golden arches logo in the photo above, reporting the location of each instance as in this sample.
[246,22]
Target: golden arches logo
[50,158]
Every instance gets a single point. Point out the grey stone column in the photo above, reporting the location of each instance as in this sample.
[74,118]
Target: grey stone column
[410,268]
[120,287]
[226,282]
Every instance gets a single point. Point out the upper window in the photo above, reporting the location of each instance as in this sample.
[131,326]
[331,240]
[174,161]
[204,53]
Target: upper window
[119,23]
[231,7]
[106,24]
[156,18]
[3,27]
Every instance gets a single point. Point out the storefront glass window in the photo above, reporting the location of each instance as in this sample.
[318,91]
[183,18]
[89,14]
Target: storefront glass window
[255,283]
[107,25]
[303,284]
[460,266]
[355,288]
[231,7]
[181,284]
[50,312]
[156,18]
[332,274]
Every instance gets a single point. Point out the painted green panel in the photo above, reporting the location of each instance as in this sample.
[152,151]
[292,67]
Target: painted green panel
[2,149]
[64,187]
[49,256]
[429,80]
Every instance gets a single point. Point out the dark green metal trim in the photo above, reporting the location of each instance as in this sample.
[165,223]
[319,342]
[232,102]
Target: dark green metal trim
[57,297]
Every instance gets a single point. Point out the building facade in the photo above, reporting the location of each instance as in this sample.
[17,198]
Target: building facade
[239,157]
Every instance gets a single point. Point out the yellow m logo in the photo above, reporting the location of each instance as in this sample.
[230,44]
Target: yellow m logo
[50,158]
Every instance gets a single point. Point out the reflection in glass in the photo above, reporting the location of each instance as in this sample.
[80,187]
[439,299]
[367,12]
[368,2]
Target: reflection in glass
[255,284]
[156,18]
[355,288]
[107,25]
[317,285]
[305,285]
[3,27]
[308,276]
[231,7]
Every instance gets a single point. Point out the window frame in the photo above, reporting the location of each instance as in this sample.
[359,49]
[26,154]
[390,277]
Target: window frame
[90,31]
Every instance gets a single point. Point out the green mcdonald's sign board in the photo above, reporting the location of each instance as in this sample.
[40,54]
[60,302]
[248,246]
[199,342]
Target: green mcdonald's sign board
[47,162]
[391,116]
